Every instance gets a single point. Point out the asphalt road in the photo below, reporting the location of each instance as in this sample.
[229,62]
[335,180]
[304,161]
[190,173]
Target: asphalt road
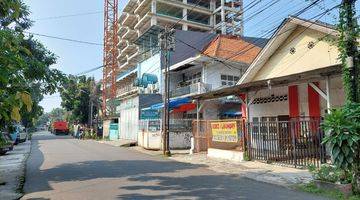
[60,167]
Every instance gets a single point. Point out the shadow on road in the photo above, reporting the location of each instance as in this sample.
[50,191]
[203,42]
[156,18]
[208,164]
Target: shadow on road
[148,177]
[215,186]
[49,136]
[87,170]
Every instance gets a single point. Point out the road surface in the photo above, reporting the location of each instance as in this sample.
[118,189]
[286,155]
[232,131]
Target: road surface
[60,167]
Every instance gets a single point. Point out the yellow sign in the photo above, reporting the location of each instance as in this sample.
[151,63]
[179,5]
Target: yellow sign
[224,131]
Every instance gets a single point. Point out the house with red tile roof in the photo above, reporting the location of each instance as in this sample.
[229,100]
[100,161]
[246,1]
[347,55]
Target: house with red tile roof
[219,64]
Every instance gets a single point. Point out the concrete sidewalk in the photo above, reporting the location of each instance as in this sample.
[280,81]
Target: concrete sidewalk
[12,171]
[118,143]
[269,173]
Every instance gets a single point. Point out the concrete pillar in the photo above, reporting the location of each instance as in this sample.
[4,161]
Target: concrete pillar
[153,10]
[328,97]
[212,5]
[223,19]
[185,12]
[203,73]
[153,6]
[153,20]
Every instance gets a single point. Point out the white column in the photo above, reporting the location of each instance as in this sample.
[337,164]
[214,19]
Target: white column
[184,14]
[223,20]
[203,73]
[328,99]
[153,6]
[153,10]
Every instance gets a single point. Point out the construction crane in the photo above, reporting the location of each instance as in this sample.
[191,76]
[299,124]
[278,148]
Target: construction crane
[110,57]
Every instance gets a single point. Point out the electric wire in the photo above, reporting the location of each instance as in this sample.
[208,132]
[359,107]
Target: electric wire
[242,52]
[64,39]
[300,12]
[68,16]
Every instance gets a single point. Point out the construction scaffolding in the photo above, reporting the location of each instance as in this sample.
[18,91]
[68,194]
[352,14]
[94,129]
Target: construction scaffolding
[110,57]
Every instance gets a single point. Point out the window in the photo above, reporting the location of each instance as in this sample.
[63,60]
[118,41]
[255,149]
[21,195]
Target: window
[229,80]
[189,79]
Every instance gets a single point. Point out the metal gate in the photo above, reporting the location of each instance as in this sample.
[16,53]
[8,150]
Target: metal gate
[296,143]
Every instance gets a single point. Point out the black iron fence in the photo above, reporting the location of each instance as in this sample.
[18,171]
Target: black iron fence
[296,143]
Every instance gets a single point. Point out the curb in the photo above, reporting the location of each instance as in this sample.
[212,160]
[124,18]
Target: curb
[22,178]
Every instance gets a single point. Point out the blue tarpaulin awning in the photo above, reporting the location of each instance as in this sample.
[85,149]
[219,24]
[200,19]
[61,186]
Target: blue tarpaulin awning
[232,113]
[174,103]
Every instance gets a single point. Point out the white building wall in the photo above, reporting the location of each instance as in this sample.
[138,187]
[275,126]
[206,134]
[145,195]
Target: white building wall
[129,118]
[213,72]
[269,109]
[337,94]
[337,99]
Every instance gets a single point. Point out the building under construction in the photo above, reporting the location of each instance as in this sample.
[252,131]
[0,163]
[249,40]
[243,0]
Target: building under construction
[221,16]
[138,22]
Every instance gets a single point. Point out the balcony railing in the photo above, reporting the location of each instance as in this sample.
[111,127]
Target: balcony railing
[125,89]
[197,88]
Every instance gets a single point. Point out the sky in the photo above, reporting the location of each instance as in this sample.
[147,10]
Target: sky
[74,58]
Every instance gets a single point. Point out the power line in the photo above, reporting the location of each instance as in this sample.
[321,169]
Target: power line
[215,59]
[297,14]
[90,70]
[71,15]
[253,46]
[65,39]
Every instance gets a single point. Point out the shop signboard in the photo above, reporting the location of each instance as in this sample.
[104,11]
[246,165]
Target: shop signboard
[224,131]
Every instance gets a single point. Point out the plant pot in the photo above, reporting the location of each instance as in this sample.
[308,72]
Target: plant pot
[346,189]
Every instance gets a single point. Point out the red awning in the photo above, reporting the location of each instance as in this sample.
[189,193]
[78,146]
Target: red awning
[185,107]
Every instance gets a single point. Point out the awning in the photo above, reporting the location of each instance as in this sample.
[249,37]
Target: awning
[232,113]
[185,107]
[174,103]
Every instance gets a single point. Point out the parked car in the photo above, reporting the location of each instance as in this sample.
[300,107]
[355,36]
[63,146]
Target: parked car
[6,144]
[60,127]
[18,134]
[22,136]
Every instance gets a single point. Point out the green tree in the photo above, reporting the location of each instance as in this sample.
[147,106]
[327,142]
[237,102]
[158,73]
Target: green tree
[76,96]
[25,64]
[43,119]
[57,114]
[343,125]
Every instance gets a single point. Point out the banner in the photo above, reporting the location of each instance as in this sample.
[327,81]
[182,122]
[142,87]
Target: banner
[224,131]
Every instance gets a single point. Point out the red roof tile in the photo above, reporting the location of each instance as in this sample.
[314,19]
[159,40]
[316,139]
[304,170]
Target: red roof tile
[232,48]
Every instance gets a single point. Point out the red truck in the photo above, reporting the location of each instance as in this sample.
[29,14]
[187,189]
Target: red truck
[60,127]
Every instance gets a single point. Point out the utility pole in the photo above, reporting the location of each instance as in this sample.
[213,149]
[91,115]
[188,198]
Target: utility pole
[92,91]
[349,28]
[167,44]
